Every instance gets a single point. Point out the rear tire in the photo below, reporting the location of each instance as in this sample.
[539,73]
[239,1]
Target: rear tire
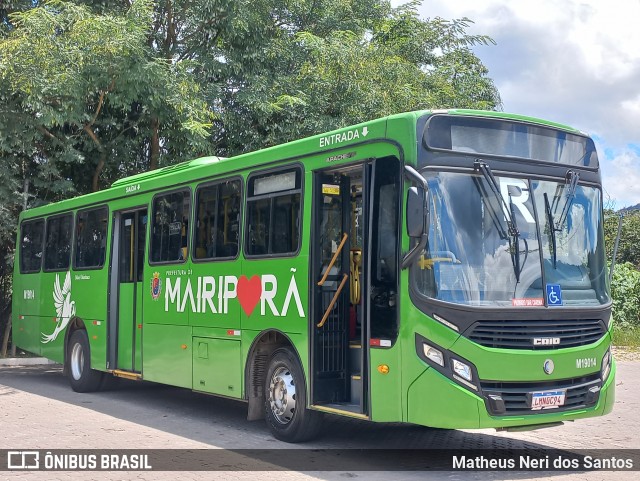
[81,377]
[285,403]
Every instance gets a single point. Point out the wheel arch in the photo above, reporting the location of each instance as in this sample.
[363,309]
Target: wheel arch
[255,371]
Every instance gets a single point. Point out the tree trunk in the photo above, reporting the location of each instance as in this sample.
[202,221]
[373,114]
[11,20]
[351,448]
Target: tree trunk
[5,339]
[154,155]
[101,160]
[25,194]
[96,173]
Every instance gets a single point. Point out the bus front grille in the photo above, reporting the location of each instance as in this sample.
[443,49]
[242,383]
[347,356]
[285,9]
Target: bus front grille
[510,398]
[538,334]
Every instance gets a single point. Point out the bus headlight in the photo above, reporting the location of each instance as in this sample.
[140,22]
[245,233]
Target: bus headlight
[447,363]
[606,365]
[462,370]
[433,354]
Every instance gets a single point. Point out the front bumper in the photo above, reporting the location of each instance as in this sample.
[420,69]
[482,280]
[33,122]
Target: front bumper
[435,400]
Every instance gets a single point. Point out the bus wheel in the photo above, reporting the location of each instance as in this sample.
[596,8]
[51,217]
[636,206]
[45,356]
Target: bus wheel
[286,399]
[81,377]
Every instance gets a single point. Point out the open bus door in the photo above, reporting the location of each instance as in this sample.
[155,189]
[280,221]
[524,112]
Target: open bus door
[355,259]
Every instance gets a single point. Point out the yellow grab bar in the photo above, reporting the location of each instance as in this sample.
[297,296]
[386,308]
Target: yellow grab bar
[333,301]
[333,259]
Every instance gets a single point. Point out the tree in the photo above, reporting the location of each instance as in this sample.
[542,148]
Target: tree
[89,86]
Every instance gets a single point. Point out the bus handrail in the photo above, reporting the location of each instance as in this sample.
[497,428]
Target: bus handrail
[333,300]
[333,259]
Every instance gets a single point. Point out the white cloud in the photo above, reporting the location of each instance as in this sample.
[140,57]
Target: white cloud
[576,62]
[622,175]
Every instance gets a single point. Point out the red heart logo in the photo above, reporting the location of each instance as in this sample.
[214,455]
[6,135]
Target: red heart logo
[249,292]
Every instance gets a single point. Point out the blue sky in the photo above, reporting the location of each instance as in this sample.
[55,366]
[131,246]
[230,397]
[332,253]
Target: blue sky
[575,62]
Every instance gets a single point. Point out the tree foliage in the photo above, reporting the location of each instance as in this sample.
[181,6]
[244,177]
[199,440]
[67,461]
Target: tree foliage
[625,291]
[309,77]
[625,282]
[629,244]
[90,90]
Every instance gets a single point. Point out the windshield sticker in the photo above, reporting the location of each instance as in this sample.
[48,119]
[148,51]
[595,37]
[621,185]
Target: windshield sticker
[554,295]
[516,192]
[528,302]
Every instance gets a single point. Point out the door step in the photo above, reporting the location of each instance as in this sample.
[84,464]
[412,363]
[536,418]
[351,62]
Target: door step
[134,376]
[350,410]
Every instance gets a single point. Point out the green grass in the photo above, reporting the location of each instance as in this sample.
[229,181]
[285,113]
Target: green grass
[626,337]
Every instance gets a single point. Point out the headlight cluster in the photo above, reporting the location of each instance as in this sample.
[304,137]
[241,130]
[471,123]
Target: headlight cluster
[606,365]
[447,363]
[433,354]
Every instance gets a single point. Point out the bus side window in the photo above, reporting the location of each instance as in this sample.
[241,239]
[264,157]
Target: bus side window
[32,234]
[57,255]
[91,234]
[273,213]
[259,213]
[218,220]
[169,227]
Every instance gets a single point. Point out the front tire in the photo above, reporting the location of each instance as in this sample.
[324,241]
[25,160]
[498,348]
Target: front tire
[285,404]
[81,377]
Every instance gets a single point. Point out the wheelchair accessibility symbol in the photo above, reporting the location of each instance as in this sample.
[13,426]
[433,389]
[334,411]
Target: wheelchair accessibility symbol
[554,295]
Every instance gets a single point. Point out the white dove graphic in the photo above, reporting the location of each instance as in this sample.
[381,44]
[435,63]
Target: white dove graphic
[65,307]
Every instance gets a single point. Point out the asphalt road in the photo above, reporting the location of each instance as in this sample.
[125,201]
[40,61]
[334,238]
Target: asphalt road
[38,410]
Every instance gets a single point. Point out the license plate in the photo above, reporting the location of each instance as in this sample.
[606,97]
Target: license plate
[547,399]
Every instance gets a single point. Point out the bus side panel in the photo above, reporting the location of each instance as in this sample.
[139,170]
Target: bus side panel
[86,300]
[26,312]
[386,388]
[167,355]
[217,366]
[88,288]
[214,287]
[26,333]
[51,327]
[435,401]
[284,302]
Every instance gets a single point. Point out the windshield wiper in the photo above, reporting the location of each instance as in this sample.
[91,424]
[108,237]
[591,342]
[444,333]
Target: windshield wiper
[570,186]
[512,233]
[552,229]
[485,170]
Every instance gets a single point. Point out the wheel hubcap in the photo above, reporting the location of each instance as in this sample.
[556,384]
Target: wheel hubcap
[282,395]
[77,361]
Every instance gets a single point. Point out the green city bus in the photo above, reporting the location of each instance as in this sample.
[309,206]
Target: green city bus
[441,268]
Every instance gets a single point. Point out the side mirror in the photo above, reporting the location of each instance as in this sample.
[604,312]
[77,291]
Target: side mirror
[415,211]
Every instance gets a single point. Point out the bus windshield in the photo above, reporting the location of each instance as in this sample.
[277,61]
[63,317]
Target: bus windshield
[541,244]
